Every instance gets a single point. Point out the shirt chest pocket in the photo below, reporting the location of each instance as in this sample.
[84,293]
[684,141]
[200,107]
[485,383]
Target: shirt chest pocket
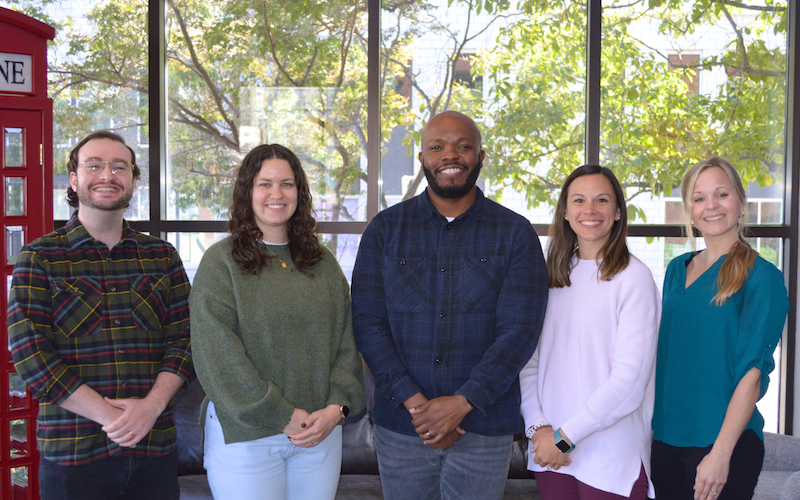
[76,307]
[404,284]
[149,301]
[481,280]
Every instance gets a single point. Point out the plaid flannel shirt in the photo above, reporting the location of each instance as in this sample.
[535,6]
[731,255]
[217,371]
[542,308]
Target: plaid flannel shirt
[79,313]
[449,308]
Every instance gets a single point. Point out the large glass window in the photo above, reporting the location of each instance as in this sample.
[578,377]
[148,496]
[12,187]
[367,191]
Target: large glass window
[680,80]
[242,74]
[518,69]
[98,67]
[681,83]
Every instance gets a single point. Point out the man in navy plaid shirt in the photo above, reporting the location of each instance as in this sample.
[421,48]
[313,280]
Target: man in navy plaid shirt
[449,295]
[99,330]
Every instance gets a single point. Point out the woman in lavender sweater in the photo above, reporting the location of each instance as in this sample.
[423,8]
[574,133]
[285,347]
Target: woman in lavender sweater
[587,392]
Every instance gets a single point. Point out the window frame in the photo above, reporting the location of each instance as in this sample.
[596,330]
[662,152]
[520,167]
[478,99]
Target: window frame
[159,225]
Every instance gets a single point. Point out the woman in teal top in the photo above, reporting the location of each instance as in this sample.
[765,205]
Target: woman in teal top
[723,313]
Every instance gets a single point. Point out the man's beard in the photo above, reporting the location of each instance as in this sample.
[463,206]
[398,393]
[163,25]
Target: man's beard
[85,198]
[453,191]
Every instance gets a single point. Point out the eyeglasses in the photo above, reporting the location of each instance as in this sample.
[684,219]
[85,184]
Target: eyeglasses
[118,167]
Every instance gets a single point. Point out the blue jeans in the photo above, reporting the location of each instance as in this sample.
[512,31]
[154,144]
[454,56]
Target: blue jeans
[476,467]
[270,468]
[127,477]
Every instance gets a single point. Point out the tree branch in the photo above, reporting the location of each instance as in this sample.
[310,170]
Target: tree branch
[218,99]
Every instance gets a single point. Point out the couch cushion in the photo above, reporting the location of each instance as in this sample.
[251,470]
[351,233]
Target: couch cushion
[194,487]
[770,484]
[186,412]
[358,446]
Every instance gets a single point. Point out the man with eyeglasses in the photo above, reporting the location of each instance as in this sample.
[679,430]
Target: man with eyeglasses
[99,331]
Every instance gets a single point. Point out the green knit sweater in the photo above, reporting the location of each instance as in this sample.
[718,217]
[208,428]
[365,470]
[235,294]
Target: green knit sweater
[265,345]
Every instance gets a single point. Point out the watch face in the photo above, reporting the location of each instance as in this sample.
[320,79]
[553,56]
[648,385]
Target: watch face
[563,446]
[345,410]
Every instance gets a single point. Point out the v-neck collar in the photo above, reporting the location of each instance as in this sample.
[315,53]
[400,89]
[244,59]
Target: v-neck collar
[702,276]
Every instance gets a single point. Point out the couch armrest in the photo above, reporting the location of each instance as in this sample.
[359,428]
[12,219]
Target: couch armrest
[791,489]
[781,452]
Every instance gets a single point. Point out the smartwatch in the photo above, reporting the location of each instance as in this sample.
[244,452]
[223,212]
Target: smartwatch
[562,444]
[345,411]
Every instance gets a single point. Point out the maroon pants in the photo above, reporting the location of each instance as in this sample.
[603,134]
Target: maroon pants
[556,486]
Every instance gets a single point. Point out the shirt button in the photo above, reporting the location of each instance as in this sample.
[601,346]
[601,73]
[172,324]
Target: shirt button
[121,351]
[116,322]
[124,384]
[483,259]
[402,262]
[447,227]
[113,289]
[442,314]
[392,400]
[444,268]
[438,361]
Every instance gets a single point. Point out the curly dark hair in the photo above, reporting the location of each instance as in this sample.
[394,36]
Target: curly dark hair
[72,164]
[304,245]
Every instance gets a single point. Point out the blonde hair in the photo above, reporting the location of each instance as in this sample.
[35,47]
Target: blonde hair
[741,255]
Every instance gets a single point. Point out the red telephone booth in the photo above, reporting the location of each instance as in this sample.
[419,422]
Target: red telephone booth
[26,212]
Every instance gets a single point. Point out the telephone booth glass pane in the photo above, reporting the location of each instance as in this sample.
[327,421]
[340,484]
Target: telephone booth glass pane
[19,483]
[18,431]
[13,147]
[15,196]
[16,392]
[15,239]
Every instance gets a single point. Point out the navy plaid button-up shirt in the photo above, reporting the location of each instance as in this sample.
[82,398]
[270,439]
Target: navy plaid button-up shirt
[449,308]
[79,313]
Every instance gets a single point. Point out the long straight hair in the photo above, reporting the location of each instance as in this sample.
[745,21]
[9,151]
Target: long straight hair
[741,255]
[564,242]
[248,251]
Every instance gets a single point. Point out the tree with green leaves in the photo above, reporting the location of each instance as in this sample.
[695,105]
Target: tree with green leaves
[652,124]
[246,72]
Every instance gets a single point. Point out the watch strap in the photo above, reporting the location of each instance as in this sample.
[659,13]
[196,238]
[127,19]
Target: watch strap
[562,443]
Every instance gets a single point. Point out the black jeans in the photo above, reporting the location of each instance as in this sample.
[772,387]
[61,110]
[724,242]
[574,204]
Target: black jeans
[125,477]
[674,469]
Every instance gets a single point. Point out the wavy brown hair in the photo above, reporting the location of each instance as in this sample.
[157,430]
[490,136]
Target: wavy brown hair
[248,250]
[741,255]
[72,163]
[564,242]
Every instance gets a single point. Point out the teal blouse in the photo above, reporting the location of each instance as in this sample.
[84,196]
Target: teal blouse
[704,350]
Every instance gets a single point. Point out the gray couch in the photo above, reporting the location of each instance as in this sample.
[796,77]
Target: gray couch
[779,479]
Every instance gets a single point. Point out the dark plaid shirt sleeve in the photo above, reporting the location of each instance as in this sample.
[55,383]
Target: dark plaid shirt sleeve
[177,354]
[374,336]
[518,319]
[30,316]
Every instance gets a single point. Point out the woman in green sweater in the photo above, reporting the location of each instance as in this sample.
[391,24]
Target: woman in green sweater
[272,342]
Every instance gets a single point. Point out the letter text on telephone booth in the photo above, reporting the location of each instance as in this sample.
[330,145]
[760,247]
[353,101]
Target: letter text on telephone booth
[15,73]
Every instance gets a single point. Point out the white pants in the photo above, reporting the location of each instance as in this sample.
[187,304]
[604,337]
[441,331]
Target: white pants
[270,468]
